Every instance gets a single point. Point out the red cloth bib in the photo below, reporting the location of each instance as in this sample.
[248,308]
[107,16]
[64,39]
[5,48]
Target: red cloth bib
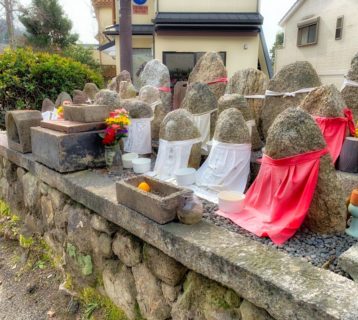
[334,131]
[277,202]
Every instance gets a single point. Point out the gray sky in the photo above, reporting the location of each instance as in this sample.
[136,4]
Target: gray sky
[84,23]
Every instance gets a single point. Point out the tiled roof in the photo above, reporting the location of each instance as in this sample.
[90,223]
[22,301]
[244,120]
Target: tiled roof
[102,3]
[197,18]
[137,29]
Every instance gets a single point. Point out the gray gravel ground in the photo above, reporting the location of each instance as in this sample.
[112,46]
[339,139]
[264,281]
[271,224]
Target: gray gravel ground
[320,250]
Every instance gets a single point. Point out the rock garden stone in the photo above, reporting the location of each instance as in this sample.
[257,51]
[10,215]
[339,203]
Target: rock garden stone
[127,248]
[63,96]
[108,98]
[251,312]
[293,77]
[150,297]
[295,132]
[231,128]
[199,99]
[178,126]
[162,266]
[179,93]
[210,67]
[47,105]
[350,93]
[157,75]
[127,90]
[18,128]
[239,102]
[120,287]
[205,299]
[325,101]
[91,89]
[159,114]
[250,82]
[79,97]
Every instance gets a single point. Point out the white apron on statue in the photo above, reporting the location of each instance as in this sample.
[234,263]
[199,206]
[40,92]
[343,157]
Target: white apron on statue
[49,115]
[139,138]
[172,155]
[226,168]
[202,122]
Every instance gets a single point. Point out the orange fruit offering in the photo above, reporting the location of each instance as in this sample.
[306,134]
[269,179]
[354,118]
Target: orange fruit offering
[144,186]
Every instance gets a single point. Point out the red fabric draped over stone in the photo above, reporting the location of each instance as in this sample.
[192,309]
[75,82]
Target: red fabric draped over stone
[277,202]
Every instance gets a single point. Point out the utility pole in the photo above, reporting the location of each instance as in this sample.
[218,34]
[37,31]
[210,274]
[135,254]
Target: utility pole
[9,8]
[125,27]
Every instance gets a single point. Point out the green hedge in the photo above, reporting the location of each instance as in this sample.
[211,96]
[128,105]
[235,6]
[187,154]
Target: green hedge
[26,78]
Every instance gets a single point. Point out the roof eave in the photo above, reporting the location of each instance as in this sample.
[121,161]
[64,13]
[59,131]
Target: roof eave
[290,12]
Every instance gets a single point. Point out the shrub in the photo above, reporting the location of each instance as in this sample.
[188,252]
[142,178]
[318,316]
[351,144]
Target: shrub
[82,54]
[26,78]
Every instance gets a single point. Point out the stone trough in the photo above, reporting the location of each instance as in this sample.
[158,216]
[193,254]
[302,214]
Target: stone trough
[87,113]
[18,124]
[159,205]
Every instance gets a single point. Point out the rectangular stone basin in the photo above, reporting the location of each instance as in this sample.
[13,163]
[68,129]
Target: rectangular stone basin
[87,113]
[160,204]
[65,152]
[72,126]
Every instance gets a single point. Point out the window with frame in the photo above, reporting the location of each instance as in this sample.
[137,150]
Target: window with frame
[339,28]
[308,32]
[180,64]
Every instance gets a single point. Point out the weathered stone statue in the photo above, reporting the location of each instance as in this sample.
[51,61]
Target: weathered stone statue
[179,94]
[283,86]
[238,102]
[108,98]
[210,69]
[127,90]
[114,83]
[63,96]
[249,83]
[201,102]
[350,88]
[325,101]
[151,96]
[295,132]
[176,127]
[91,90]
[80,97]
[47,105]
[157,75]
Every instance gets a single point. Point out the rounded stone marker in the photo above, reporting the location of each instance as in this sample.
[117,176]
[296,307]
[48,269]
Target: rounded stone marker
[108,98]
[350,93]
[178,126]
[292,77]
[209,68]
[91,90]
[295,132]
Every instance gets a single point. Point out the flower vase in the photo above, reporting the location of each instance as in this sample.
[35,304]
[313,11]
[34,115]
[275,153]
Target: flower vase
[113,157]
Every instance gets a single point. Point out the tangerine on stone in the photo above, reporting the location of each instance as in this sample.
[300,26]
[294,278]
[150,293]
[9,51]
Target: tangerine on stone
[144,186]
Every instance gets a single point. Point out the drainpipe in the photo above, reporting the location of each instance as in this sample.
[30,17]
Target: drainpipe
[125,24]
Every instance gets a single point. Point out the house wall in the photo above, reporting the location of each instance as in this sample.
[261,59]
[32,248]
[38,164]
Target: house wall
[145,18]
[331,58]
[208,6]
[236,56]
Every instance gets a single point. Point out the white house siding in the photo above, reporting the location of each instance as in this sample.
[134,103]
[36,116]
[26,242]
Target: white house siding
[331,58]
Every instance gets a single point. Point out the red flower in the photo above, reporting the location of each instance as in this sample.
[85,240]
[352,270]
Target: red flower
[109,136]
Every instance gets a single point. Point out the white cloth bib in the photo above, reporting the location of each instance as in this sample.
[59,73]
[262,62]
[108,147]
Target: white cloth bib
[139,138]
[202,122]
[172,155]
[226,168]
[49,115]
[349,83]
[270,93]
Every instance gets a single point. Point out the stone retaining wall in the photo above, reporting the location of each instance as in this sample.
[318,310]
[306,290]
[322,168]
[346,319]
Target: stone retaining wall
[159,272]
